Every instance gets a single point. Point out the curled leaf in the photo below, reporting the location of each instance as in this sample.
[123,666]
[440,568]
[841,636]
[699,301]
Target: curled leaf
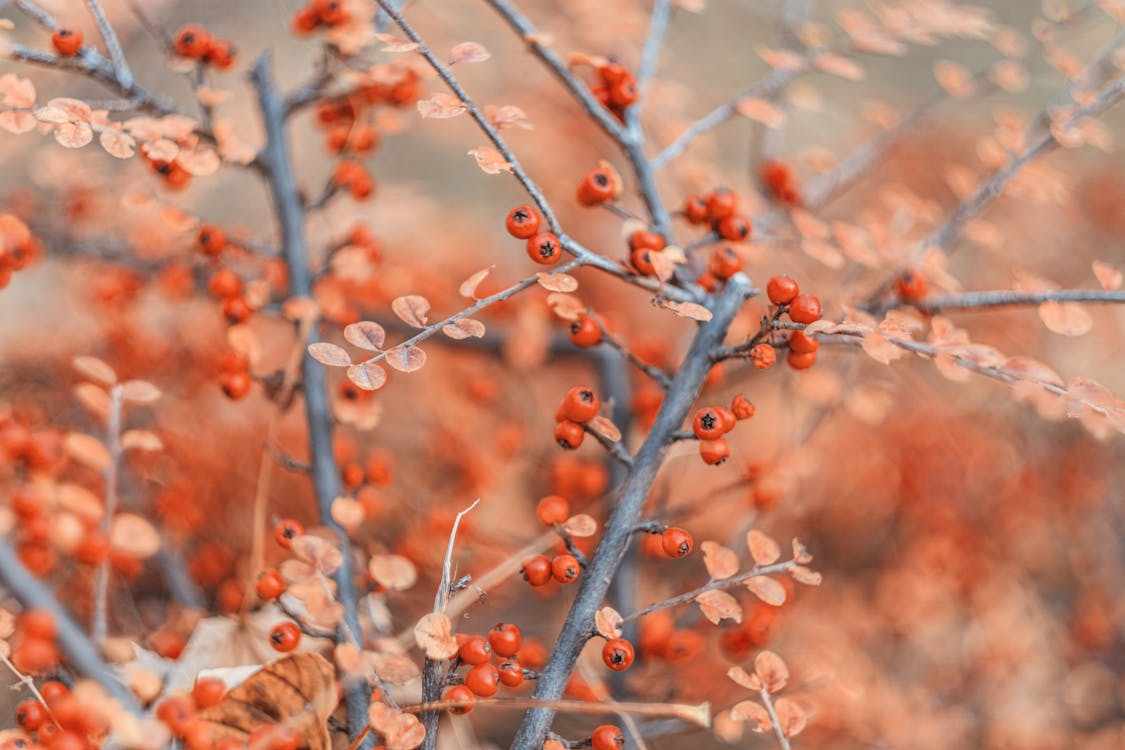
[463,329]
[441,106]
[490,160]
[791,717]
[434,635]
[744,679]
[801,574]
[401,731]
[580,525]
[411,309]
[469,286]
[608,622]
[606,428]
[688,310]
[800,552]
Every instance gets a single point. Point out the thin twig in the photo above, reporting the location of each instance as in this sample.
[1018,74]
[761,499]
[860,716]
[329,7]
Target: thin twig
[768,702]
[112,43]
[722,583]
[1008,298]
[99,624]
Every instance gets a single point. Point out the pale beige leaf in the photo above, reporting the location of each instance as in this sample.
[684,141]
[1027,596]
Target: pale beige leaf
[800,552]
[200,161]
[133,536]
[139,391]
[606,428]
[393,571]
[608,622]
[565,306]
[322,554]
[744,679]
[490,160]
[721,562]
[464,328]
[76,110]
[767,589]
[87,450]
[434,635]
[557,282]
[801,574]
[754,712]
[954,78]
[348,512]
[142,440]
[717,605]
[73,134]
[411,309]
[17,121]
[762,548]
[509,116]
[761,110]
[771,670]
[1108,276]
[580,525]
[52,115]
[469,286]
[367,375]
[838,65]
[401,731]
[118,144]
[879,348]
[688,310]
[392,43]
[95,369]
[1066,318]
[726,728]
[80,501]
[470,52]
[16,91]
[329,354]
[406,358]
[441,106]
[366,335]
[791,717]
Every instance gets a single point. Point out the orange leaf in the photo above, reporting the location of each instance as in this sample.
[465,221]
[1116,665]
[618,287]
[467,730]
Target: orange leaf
[434,635]
[743,678]
[411,309]
[468,52]
[801,574]
[718,605]
[768,590]
[87,450]
[608,622]
[95,369]
[762,548]
[441,107]
[406,358]
[139,391]
[771,670]
[1066,318]
[721,562]
[133,536]
[469,286]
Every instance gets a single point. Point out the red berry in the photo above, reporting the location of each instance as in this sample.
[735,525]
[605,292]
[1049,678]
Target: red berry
[781,290]
[742,407]
[728,418]
[208,691]
[286,530]
[38,623]
[30,714]
[285,636]
[911,285]
[569,434]
[551,510]
[505,639]
[618,654]
[511,673]
[522,222]
[235,384]
[721,203]
[66,42]
[734,228]
[192,41]
[695,209]
[585,331]
[220,53]
[643,239]
[598,186]
[725,262]
[641,258]
[707,424]
[714,452]
[475,650]
[801,361]
[462,695]
[483,680]
[676,542]
[607,737]
[270,585]
[536,570]
[211,239]
[804,308]
[801,343]
[544,248]
[581,404]
[565,568]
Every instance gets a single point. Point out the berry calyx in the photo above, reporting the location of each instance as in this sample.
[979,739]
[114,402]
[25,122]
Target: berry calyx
[544,248]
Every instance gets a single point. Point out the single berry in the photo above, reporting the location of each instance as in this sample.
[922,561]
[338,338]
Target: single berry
[286,530]
[911,285]
[536,570]
[552,509]
[734,228]
[544,248]
[208,691]
[714,452]
[762,356]
[285,636]
[607,737]
[707,424]
[505,639]
[598,186]
[461,695]
[66,42]
[641,259]
[581,404]
[804,308]
[211,239]
[801,361]
[781,290]
[522,222]
[695,210]
[483,680]
[801,343]
[585,331]
[30,714]
[725,262]
[565,568]
[475,650]
[192,41]
[742,407]
[618,654]
[643,239]
[270,585]
[676,542]
[721,203]
[511,673]
[569,434]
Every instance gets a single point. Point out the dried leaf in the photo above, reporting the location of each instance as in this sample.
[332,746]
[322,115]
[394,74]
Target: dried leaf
[761,110]
[468,52]
[118,144]
[299,690]
[17,121]
[768,590]
[95,369]
[393,571]
[142,440]
[744,679]
[688,310]
[348,512]
[80,501]
[139,391]
[400,731]
[406,358]
[606,428]
[16,91]
[879,348]
[490,160]
[317,552]
[771,670]
[366,335]
[434,635]
[87,450]
[762,548]
[200,161]
[411,309]
[839,66]
[463,329]
[565,306]
[1066,318]
[580,525]
[367,375]
[752,711]
[800,553]
[469,286]
[721,562]
[1108,276]
[718,605]
[608,622]
[801,574]
[791,717]
[133,536]
[392,43]
[557,282]
[329,354]
[509,116]
[441,106]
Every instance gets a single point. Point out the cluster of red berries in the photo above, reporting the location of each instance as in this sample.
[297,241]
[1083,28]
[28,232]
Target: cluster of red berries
[780,183]
[318,13]
[801,308]
[18,247]
[34,650]
[196,43]
[539,570]
[598,186]
[724,263]
[712,422]
[172,172]
[523,223]
[226,285]
[286,635]
[719,209]
[616,89]
[579,406]
[348,121]
[180,714]
[643,246]
[353,177]
[234,375]
[67,42]
[483,679]
[61,721]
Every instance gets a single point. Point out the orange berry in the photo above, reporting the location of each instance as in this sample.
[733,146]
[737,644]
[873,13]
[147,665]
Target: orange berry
[208,691]
[569,434]
[522,222]
[781,290]
[763,356]
[742,407]
[536,570]
[607,737]
[461,695]
[801,343]
[676,542]
[598,186]
[565,568]
[714,452]
[67,42]
[581,404]
[801,361]
[192,41]
[911,285]
[552,509]
[618,654]
[285,636]
[544,248]
[585,331]
[483,680]
[804,308]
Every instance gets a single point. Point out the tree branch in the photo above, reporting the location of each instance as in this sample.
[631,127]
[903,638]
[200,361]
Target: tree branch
[113,44]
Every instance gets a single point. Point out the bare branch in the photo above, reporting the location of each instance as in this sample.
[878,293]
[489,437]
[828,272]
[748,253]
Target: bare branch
[722,583]
[112,43]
